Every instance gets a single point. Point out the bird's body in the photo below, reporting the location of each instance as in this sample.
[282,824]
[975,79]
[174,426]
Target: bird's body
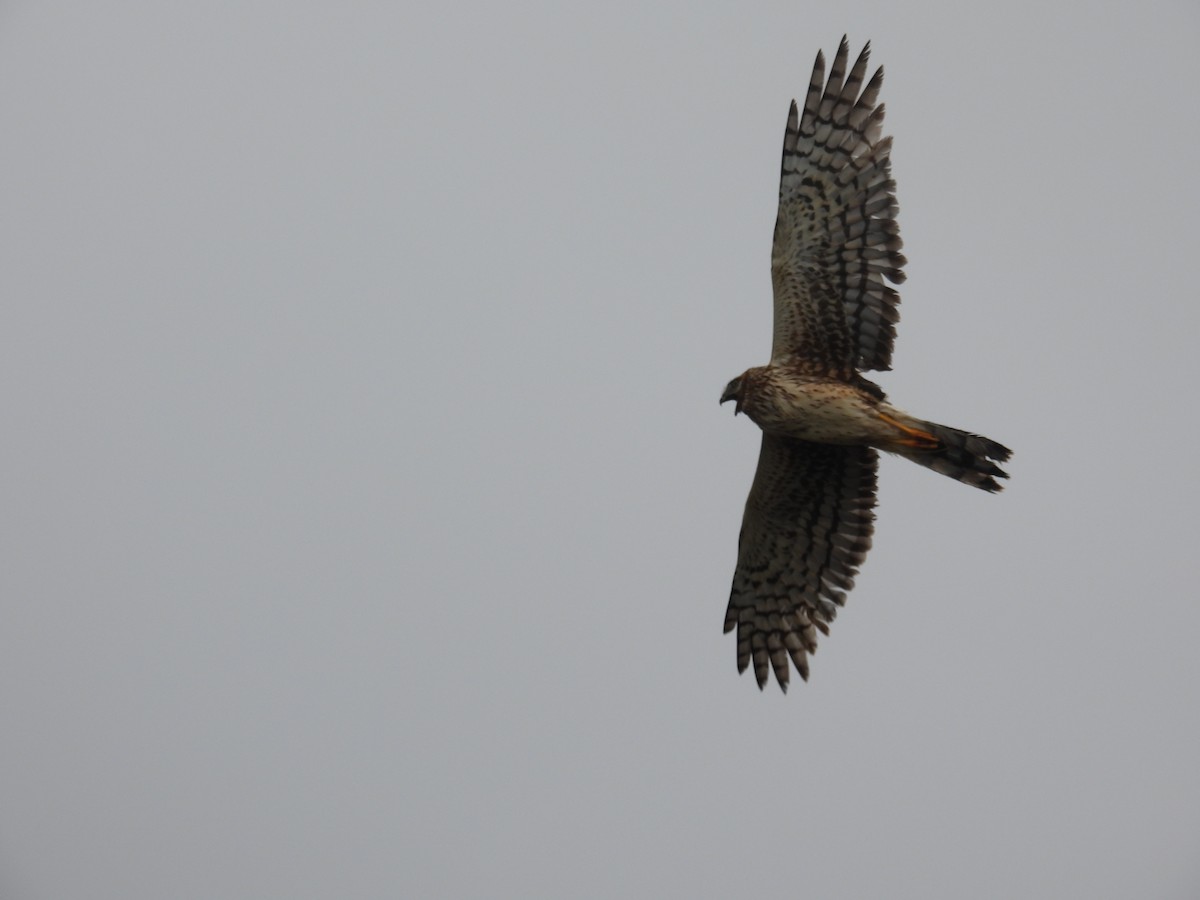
[789,403]
[809,517]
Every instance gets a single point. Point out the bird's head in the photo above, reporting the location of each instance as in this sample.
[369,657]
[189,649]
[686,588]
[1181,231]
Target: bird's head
[735,391]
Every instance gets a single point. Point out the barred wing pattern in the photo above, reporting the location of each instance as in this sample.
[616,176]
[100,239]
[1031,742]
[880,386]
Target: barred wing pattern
[836,237]
[806,530]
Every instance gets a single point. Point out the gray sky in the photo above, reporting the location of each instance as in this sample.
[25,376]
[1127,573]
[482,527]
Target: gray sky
[369,516]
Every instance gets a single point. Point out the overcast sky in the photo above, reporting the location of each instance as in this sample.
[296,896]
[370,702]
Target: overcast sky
[369,516]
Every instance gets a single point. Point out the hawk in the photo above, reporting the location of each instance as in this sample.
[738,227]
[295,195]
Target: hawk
[808,521]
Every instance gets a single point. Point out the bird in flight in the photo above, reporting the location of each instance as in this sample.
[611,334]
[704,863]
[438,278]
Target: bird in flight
[808,521]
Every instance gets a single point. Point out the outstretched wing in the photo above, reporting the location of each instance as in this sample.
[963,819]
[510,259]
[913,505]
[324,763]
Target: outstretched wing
[836,237]
[806,530]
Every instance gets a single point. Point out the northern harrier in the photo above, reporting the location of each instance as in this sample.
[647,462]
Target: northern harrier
[808,520]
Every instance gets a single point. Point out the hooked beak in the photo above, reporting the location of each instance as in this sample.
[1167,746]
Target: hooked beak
[731,394]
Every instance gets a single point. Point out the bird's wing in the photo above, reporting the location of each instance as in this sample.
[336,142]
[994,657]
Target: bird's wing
[806,530]
[836,237]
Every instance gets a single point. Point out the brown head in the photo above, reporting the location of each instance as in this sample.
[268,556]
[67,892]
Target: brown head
[738,389]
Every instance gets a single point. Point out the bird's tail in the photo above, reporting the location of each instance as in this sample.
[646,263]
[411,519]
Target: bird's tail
[963,456]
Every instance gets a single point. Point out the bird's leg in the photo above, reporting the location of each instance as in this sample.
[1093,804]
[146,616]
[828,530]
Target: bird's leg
[914,437]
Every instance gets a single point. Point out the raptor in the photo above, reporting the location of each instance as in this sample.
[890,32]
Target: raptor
[836,254]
